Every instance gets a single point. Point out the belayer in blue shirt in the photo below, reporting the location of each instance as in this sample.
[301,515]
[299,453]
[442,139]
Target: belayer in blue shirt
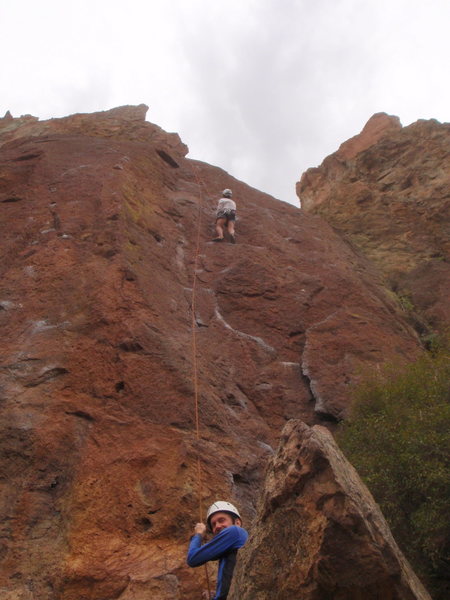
[225,523]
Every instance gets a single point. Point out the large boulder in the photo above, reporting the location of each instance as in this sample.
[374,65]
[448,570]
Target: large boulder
[318,533]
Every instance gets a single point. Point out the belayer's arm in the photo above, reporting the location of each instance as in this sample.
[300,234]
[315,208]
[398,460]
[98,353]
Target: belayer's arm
[228,539]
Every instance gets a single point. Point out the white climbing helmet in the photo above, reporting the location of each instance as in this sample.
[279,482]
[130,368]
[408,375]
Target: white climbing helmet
[221,506]
[227,193]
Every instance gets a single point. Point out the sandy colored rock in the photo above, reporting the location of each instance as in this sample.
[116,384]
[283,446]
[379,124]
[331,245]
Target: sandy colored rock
[99,487]
[379,125]
[318,533]
[387,191]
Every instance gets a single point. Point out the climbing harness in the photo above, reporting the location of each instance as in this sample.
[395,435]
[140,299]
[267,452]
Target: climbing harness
[194,358]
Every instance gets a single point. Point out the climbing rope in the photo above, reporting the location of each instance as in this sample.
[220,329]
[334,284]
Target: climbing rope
[194,357]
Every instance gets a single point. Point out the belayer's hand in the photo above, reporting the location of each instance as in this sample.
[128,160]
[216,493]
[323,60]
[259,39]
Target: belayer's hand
[200,529]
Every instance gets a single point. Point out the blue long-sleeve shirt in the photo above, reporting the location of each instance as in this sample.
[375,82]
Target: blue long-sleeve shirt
[223,547]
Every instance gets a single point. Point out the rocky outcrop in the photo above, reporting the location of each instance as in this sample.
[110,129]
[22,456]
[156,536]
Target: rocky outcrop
[388,191]
[100,215]
[125,123]
[318,533]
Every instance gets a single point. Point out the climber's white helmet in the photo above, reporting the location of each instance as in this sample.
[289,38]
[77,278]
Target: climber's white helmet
[221,506]
[227,193]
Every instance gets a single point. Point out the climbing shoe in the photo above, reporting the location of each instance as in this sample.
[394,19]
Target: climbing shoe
[217,240]
[232,239]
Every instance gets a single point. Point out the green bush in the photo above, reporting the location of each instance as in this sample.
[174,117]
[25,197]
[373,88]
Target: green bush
[398,438]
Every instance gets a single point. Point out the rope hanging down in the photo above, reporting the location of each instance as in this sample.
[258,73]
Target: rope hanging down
[194,357]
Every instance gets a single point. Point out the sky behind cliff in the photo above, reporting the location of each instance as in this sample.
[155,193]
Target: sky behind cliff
[262,88]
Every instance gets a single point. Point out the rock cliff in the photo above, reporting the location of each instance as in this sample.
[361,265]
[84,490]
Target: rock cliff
[318,533]
[388,191]
[100,217]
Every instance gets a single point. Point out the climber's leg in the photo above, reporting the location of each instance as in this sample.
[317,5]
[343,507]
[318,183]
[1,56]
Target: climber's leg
[231,219]
[219,228]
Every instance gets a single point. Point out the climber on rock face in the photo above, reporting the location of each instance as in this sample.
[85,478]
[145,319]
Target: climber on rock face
[225,523]
[225,217]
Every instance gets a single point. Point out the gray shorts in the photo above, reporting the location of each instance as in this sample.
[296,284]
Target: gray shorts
[229,215]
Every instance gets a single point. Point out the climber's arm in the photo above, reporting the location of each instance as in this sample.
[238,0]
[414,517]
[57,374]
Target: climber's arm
[228,539]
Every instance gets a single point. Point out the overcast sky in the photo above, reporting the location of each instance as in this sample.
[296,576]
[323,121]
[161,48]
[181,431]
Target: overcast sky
[262,88]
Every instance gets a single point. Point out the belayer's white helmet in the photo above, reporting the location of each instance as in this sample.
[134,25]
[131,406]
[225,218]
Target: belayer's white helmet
[221,506]
[227,193]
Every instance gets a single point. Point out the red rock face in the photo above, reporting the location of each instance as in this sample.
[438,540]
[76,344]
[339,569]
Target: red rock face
[387,190]
[100,215]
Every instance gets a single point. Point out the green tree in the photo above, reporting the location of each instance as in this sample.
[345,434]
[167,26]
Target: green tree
[398,438]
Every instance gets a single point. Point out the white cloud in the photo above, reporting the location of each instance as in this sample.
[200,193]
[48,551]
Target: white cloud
[263,88]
